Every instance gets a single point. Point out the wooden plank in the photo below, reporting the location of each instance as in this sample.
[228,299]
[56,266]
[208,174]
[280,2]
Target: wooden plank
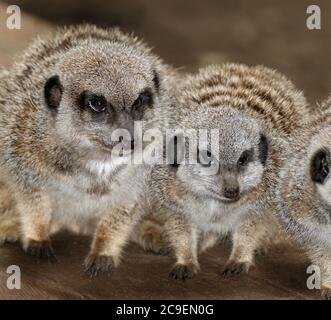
[279,275]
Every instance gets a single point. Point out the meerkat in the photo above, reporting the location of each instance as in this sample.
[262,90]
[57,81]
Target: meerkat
[60,105]
[305,193]
[256,111]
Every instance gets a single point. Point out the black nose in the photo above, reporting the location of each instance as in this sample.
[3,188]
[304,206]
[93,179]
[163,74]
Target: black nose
[231,193]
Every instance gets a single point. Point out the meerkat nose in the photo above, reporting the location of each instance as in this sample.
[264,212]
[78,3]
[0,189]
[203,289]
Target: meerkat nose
[231,193]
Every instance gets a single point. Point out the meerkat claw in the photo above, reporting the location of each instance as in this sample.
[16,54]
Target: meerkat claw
[182,272]
[41,250]
[235,269]
[95,264]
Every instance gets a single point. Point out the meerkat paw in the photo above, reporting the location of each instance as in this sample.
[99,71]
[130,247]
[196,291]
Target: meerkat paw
[9,237]
[98,263]
[326,294]
[9,234]
[234,269]
[183,272]
[40,249]
[261,251]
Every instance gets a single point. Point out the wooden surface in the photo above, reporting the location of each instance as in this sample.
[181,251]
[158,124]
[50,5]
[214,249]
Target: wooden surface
[281,274]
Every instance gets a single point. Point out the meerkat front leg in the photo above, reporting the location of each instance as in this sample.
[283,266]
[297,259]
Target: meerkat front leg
[247,239]
[112,233]
[322,259]
[182,238]
[35,219]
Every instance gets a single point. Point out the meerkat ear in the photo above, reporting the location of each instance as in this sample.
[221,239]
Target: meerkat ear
[320,166]
[53,90]
[175,150]
[156,80]
[263,149]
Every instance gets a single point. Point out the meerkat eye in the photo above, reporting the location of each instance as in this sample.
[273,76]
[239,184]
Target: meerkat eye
[97,104]
[93,102]
[204,157]
[143,100]
[245,158]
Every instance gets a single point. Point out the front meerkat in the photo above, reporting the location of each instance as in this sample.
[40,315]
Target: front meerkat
[60,107]
[230,190]
[305,194]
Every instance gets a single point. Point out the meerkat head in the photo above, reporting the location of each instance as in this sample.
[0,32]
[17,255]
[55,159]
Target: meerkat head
[320,166]
[237,164]
[97,93]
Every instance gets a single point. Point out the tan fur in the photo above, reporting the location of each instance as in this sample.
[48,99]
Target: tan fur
[9,222]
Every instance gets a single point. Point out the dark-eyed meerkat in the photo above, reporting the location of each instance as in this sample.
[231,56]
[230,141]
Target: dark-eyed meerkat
[60,105]
[305,194]
[256,111]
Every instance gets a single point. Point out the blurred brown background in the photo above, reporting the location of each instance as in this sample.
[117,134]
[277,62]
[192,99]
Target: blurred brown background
[193,33]
[188,34]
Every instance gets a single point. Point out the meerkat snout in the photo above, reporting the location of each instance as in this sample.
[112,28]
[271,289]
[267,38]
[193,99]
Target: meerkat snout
[231,192]
[230,188]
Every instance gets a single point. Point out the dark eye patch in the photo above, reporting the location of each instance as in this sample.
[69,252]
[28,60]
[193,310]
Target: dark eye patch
[245,158]
[156,80]
[263,149]
[93,102]
[53,91]
[320,166]
[145,98]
